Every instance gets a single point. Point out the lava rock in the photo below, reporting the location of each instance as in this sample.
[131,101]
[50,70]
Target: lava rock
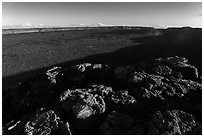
[121,97]
[170,85]
[90,105]
[81,67]
[86,102]
[156,89]
[71,94]
[162,70]
[145,79]
[123,102]
[191,90]
[172,122]
[145,85]
[44,124]
[171,61]
[52,74]
[75,94]
[179,64]
[100,89]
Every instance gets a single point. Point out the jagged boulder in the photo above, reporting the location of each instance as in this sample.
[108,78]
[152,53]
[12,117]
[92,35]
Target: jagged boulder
[179,64]
[86,105]
[89,105]
[171,122]
[43,124]
[53,73]
[117,123]
[145,79]
[154,88]
[86,102]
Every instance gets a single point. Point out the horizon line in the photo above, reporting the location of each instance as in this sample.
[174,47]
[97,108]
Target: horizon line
[83,26]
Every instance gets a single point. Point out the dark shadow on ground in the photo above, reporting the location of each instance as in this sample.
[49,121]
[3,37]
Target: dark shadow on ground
[185,42]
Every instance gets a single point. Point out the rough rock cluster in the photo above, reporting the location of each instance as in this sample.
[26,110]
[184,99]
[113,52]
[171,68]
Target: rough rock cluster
[172,122]
[161,97]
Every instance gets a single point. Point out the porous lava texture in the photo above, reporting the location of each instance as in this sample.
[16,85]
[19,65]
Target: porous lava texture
[161,97]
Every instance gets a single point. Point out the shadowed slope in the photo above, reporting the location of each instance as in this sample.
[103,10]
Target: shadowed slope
[186,42]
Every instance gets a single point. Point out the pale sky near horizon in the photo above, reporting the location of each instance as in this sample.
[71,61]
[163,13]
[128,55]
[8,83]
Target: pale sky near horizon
[136,13]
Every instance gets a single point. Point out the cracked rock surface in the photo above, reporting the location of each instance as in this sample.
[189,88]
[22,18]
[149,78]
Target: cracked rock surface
[162,97]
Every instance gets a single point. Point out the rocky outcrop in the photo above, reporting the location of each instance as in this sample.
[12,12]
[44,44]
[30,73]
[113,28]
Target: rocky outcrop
[161,97]
[172,122]
[87,101]
[44,124]
[90,105]
[158,89]
[179,64]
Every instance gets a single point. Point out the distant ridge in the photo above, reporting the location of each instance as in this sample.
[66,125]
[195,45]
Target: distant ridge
[49,29]
[25,29]
[29,26]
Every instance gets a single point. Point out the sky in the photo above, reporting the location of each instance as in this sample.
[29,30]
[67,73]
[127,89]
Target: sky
[135,13]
